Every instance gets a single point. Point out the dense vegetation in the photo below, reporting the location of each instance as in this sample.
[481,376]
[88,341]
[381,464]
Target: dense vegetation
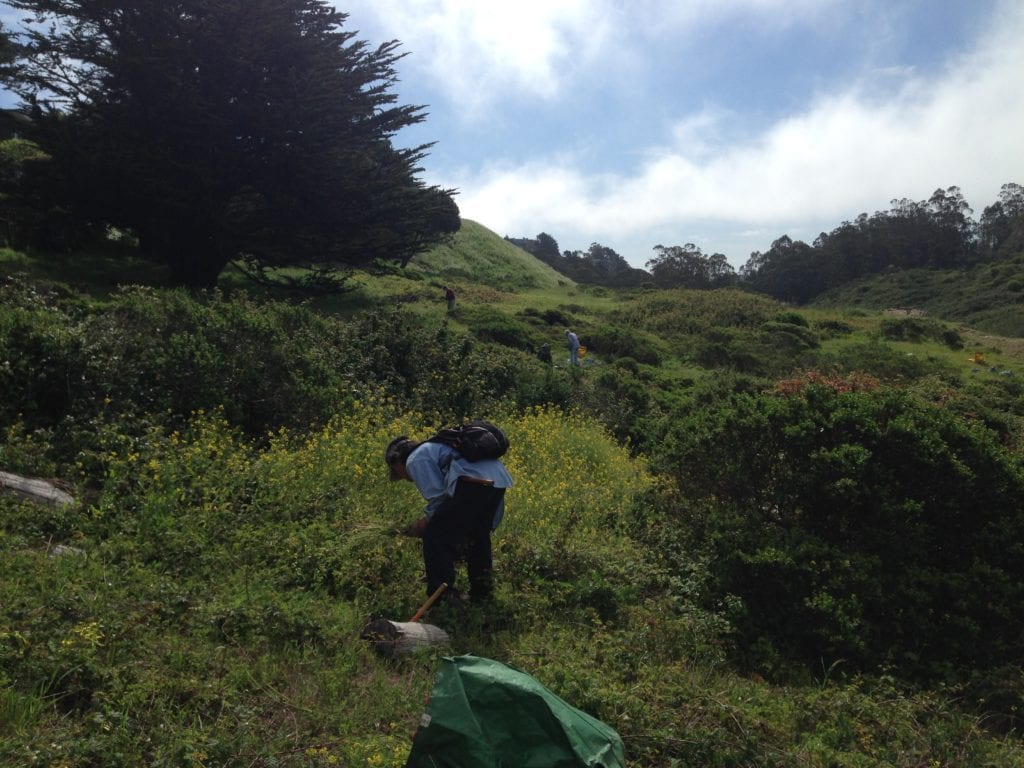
[743,534]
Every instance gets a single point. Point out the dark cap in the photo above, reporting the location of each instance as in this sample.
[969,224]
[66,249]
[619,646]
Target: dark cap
[398,450]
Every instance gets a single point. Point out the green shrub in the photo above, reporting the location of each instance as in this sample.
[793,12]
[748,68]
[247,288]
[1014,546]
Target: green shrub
[149,354]
[613,341]
[774,349]
[500,329]
[726,349]
[881,360]
[550,317]
[918,329]
[789,338]
[860,527]
[42,358]
[623,400]
[833,328]
[695,312]
[791,318]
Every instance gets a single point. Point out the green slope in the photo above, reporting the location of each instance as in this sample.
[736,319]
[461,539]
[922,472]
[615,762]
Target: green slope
[481,256]
[989,297]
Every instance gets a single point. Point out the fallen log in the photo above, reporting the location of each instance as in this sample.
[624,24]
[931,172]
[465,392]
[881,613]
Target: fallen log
[38,491]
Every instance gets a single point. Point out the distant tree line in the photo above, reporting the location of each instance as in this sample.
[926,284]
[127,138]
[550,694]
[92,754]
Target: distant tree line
[937,233]
[673,267]
[214,132]
[598,265]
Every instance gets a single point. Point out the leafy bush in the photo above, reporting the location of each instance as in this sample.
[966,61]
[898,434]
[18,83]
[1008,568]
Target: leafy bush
[880,359]
[789,338]
[833,328]
[728,349]
[791,318]
[624,401]
[501,329]
[694,312]
[550,317]
[42,362]
[859,527]
[614,341]
[918,329]
[772,350]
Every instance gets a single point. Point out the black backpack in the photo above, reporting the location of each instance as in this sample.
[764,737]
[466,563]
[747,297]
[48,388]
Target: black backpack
[475,440]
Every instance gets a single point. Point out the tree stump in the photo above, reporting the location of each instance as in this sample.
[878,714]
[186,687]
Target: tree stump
[395,638]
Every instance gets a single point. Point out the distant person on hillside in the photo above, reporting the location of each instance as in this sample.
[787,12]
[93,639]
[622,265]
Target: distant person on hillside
[465,502]
[449,296]
[544,353]
[574,347]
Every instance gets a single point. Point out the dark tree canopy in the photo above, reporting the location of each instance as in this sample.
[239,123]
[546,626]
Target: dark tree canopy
[253,131]
[785,271]
[598,265]
[601,265]
[687,266]
[1000,220]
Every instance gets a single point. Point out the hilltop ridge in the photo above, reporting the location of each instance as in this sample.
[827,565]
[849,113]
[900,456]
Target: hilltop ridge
[481,255]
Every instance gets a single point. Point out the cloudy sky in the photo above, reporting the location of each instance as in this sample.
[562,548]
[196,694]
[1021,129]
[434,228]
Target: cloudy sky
[724,123]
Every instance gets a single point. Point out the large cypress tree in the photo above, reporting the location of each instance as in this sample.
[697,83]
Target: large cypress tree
[253,131]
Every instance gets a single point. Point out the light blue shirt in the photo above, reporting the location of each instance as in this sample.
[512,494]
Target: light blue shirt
[435,469]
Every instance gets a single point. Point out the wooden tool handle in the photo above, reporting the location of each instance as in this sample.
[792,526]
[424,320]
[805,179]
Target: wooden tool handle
[430,601]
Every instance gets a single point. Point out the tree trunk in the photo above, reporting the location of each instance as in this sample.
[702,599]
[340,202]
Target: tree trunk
[38,491]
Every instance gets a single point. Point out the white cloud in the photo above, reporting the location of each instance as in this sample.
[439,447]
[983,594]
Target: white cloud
[477,54]
[845,154]
[659,16]
[480,52]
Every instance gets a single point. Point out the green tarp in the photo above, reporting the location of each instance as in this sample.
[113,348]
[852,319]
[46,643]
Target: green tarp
[485,714]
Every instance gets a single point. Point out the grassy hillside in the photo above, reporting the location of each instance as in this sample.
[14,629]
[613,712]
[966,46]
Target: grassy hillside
[234,529]
[478,255]
[989,297]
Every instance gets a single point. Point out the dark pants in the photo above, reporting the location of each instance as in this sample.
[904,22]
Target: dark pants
[461,527]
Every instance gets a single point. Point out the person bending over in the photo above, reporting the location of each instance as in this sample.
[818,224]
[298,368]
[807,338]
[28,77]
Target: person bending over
[465,503]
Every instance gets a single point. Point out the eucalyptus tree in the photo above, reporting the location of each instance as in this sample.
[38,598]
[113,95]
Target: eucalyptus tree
[790,270]
[687,266]
[258,132]
[1001,219]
